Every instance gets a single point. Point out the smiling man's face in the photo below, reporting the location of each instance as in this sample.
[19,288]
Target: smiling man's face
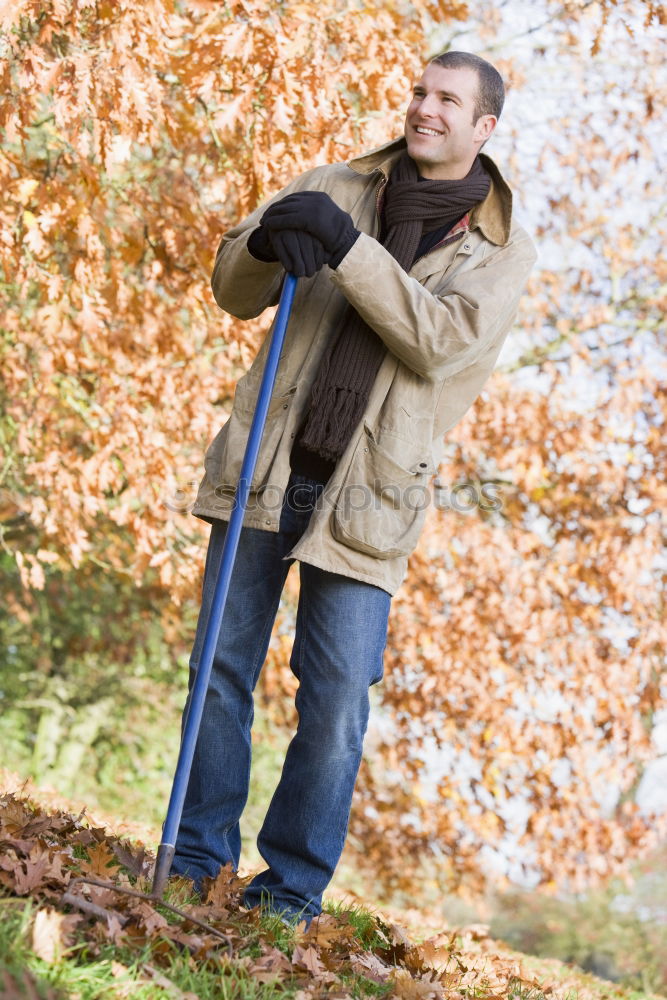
[439,129]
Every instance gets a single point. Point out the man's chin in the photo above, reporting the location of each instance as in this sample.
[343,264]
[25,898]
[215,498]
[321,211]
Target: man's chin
[421,161]
[412,151]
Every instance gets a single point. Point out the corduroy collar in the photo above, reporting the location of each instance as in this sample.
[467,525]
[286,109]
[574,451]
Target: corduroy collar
[493,215]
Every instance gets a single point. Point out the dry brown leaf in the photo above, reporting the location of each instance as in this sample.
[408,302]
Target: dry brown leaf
[105,897]
[308,958]
[406,987]
[272,964]
[38,825]
[33,872]
[475,931]
[223,890]
[148,917]
[47,935]
[326,930]
[429,955]
[371,967]
[134,859]
[14,814]
[102,861]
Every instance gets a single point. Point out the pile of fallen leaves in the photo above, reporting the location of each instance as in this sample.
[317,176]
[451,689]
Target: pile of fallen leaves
[58,860]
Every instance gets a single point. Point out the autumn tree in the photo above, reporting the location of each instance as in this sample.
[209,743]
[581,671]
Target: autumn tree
[133,135]
[525,662]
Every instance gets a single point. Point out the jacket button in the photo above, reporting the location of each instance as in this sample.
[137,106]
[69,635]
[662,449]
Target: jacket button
[366,449]
[422,465]
[284,406]
[268,521]
[466,246]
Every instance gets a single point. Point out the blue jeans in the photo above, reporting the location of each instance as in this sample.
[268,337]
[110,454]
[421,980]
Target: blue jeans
[341,630]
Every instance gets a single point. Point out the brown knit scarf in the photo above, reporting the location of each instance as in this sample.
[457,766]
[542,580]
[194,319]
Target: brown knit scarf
[352,359]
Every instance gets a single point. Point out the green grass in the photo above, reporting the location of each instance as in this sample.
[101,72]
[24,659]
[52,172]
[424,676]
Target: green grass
[161,970]
[119,971]
[81,974]
[80,852]
[517,991]
[359,987]
[364,922]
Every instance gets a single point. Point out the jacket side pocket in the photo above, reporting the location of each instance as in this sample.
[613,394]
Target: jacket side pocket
[381,507]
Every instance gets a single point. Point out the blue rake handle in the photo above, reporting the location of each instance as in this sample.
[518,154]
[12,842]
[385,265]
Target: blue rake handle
[165,854]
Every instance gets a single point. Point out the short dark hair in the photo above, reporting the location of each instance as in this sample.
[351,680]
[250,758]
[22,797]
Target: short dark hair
[490,88]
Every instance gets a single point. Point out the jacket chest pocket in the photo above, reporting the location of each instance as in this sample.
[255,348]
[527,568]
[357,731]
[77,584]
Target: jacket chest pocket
[381,507]
[237,430]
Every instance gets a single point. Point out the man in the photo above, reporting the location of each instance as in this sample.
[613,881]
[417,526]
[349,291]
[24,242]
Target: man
[410,268]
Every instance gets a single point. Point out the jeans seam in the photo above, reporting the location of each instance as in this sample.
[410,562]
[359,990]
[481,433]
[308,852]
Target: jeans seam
[268,626]
[303,610]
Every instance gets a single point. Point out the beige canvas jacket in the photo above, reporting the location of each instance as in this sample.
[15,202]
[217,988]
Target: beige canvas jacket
[443,323]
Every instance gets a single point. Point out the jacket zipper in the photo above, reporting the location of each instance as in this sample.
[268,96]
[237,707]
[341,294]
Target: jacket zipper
[378,198]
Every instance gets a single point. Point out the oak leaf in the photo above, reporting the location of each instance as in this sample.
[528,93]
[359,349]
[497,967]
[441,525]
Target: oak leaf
[326,930]
[148,917]
[308,958]
[224,889]
[33,871]
[406,987]
[101,861]
[272,964]
[134,860]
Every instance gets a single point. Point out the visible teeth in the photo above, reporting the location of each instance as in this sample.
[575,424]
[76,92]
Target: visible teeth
[427,131]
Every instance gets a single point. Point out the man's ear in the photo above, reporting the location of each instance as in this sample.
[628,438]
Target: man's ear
[484,126]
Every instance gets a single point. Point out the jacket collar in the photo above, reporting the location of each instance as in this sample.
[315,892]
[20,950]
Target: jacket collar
[493,215]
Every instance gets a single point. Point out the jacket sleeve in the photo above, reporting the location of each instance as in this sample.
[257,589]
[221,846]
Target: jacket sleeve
[242,285]
[436,333]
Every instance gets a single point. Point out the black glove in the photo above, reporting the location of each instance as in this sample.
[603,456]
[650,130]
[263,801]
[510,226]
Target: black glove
[316,213]
[260,246]
[299,253]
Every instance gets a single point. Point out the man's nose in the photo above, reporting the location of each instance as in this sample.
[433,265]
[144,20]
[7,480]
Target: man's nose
[428,105]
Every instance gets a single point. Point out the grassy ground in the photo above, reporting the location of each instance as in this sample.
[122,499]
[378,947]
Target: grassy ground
[59,938]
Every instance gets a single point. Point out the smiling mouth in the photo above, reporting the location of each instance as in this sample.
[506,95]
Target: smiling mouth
[422,130]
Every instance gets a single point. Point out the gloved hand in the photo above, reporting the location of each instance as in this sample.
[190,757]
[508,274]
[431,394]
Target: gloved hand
[299,253]
[316,213]
[260,246]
